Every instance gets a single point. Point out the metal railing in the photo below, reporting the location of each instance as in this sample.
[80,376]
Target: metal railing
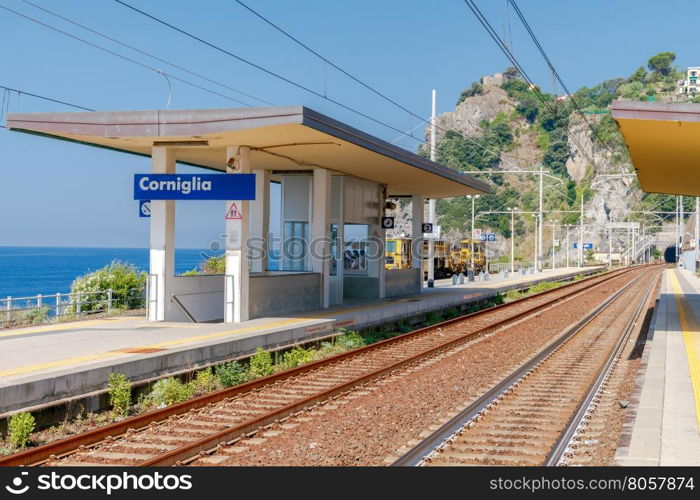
[36,309]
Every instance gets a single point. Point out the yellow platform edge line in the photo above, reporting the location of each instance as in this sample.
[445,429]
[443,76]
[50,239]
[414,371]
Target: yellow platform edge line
[690,339]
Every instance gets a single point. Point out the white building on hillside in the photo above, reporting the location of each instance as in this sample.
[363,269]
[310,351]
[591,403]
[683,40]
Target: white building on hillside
[690,84]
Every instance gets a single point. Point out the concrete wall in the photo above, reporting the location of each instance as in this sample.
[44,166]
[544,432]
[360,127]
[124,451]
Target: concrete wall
[202,296]
[688,260]
[402,282]
[284,293]
[360,287]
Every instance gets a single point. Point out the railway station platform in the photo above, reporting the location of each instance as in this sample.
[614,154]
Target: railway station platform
[68,362]
[665,428]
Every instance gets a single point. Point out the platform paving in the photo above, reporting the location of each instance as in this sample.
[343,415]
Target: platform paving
[666,428]
[42,364]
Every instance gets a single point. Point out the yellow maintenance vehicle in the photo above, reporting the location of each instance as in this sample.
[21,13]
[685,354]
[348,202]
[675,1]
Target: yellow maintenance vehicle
[449,259]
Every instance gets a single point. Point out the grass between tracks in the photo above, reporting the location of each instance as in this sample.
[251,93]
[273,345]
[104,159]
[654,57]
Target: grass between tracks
[171,390]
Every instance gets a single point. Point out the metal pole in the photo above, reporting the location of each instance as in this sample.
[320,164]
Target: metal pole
[580,237]
[472,236]
[540,232]
[431,203]
[512,241]
[567,245]
[675,243]
[536,226]
[681,227]
[697,232]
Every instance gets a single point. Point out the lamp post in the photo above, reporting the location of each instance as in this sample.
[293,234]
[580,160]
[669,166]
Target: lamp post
[554,225]
[512,211]
[473,198]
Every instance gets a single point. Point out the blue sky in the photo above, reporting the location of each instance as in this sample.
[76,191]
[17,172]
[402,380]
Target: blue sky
[54,193]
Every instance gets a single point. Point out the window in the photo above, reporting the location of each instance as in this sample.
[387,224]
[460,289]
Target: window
[390,246]
[295,255]
[355,248]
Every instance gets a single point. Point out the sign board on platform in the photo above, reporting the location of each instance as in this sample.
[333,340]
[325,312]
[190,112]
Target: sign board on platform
[586,246]
[144,208]
[194,186]
[388,222]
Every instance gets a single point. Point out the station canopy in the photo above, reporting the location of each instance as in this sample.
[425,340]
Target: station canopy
[280,138]
[663,140]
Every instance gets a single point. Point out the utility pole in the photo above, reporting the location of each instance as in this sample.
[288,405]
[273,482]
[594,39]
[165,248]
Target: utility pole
[537,217]
[675,243]
[580,237]
[697,232]
[538,264]
[473,264]
[681,227]
[512,238]
[431,203]
[567,244]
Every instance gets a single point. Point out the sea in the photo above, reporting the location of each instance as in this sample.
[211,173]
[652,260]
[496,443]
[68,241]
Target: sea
[28,271]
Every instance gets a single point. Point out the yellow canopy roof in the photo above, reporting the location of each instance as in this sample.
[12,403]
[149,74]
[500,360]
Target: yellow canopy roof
[663,140]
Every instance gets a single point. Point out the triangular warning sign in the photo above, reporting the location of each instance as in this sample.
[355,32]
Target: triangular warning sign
[233,213]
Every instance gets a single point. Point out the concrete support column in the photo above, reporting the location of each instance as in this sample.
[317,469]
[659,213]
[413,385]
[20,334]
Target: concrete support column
[162,252]
[320,230]
[236,286]
[417,211]
[260,221]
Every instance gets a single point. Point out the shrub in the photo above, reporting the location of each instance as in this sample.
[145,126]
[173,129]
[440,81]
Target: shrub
[215,265]
[126,282]
[350,340]
[475,89]
[450,314]
[513,295]
[20,427]
[232,373]
[260,364]
[297,356]
[498,299]
[168,391]
[432,318]
[35,316]
[119,389]
[205,381]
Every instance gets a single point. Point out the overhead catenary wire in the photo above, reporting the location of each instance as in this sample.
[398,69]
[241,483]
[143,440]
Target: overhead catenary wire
[356,79]
[121,56]
[501,45]
[556,74]
[31,94]
[148,54]
[265,70]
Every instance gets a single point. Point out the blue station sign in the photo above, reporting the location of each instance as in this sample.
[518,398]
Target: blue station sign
[194,186]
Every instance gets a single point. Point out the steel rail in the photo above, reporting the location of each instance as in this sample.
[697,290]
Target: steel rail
[558,451]
[39,454]
[437,438]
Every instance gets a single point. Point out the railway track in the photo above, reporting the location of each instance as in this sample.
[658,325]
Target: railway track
[181,432]
[536,414]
